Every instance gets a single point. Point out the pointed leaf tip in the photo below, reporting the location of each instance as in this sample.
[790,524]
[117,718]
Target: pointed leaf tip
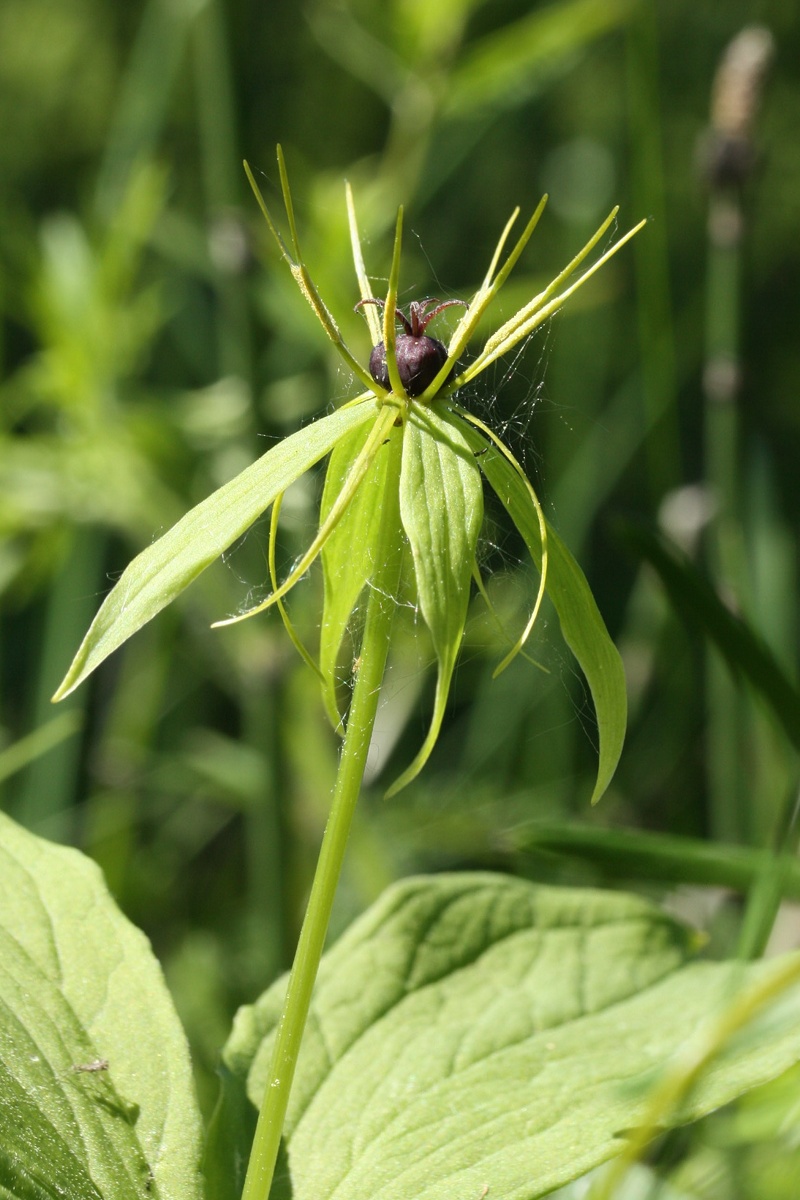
[441,507]
[159,574]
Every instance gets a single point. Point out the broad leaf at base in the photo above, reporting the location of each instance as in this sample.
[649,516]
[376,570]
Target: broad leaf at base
[474,1030]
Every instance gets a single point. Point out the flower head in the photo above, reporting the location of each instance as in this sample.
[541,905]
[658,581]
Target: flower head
[404,445]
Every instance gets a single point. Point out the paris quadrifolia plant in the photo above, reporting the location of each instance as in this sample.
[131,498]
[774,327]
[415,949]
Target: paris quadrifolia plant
[402,508]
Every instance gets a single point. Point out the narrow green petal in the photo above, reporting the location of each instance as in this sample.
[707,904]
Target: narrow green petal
[513,324]
[287,202]
[581,623]
[489,276]
[493,283]
[389,310]
[300,270]
[288,624]
[480,301]
[163,570]
[365,288]
[266,214]
[533,501]
[542,307]
[349,555]
[441,507]
[492,611]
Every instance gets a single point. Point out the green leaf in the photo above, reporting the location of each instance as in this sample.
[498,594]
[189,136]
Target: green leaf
[517,59]
[79,987]
[700,608]
[348,556]
[474,1030]
[441,507]
[581,624]
[161,572]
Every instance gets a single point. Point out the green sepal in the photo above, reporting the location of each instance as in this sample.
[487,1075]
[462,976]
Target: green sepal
[161,572]
[582,626]
[441,507]
[288,624]
[351,551]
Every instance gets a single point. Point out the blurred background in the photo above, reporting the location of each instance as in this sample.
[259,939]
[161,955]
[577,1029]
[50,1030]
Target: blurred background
[153,344]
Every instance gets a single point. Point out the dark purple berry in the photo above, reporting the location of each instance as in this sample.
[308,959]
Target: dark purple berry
[419,361]
[419,358]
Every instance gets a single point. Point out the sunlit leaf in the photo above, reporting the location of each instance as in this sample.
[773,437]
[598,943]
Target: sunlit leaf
[161,572]
[476,1030]
[96,1092]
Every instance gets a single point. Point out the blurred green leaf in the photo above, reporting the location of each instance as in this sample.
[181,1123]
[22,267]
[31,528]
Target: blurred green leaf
[699,607]
[31,747]
[142,103]
[96,1094]
[628,854]
[640,1183]
[509,64]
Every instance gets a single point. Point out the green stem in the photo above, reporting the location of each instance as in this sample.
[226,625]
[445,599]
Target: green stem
[363,709]
[770,885]
[730,802]
[47,790]
[747,1002]
[621,854]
